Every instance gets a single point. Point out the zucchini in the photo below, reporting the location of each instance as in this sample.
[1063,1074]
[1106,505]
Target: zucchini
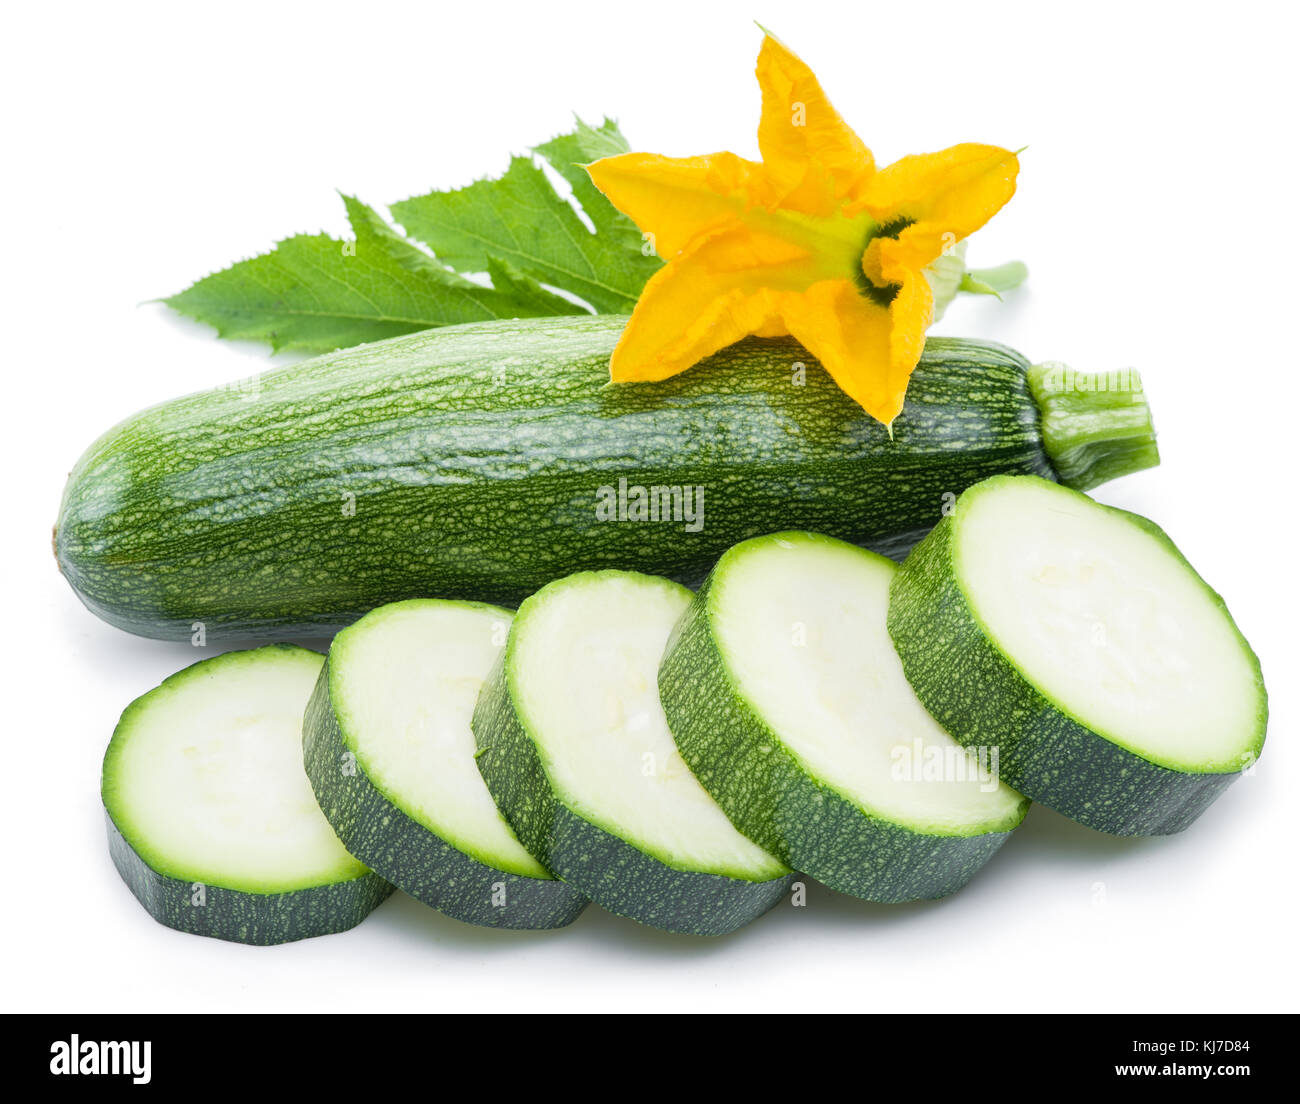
[574,747]
[390,755]
[1078,638]
[787,700]
[211,822]
[480,462]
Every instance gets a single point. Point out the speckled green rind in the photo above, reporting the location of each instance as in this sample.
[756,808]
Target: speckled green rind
[771,798]
[260,919]
[974,691]
[466,462]
[616,875]
[408,854]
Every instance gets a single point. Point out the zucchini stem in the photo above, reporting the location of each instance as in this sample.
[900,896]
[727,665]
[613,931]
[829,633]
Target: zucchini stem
[1096,427]
[995,280]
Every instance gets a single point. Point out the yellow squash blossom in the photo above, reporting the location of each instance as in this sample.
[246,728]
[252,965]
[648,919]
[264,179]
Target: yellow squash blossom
[813,241]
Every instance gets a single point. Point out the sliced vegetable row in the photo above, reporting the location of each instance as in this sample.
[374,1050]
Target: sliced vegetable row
[676,757]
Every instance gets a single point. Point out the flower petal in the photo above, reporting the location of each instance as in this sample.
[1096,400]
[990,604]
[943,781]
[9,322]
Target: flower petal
[910,315]
[674,198]
[722,288]
[869,350]
[811,156]
[946,196]
[775,247]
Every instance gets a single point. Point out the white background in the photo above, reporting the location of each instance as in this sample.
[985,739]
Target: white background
[149,145]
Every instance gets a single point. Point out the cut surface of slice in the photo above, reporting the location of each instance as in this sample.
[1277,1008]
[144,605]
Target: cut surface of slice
[1076,634]
[784,694]
[389,751]
[575,749]
[212,822]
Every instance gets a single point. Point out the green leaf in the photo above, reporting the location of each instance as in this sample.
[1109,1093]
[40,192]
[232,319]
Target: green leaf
[371,228]
[533,300]
[316,293]
[568,154]
[521,220]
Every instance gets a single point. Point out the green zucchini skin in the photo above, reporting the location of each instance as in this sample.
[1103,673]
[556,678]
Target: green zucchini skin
[466,462]
[261,920]
[629,882]
[977,694]
[406,853]
[770,798]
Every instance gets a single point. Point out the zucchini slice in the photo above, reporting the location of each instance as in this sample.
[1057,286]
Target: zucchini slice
[211,821]
[574,747]
[1077,637]
[786,698]
[390,755]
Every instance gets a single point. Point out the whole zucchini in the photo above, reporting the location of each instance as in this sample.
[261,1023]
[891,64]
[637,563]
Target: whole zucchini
[482,461]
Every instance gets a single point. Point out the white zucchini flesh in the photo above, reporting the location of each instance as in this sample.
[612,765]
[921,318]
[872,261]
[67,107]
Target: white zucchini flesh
[404,683]
[590,701]
[801,623]
[1108,622]
[204,777]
